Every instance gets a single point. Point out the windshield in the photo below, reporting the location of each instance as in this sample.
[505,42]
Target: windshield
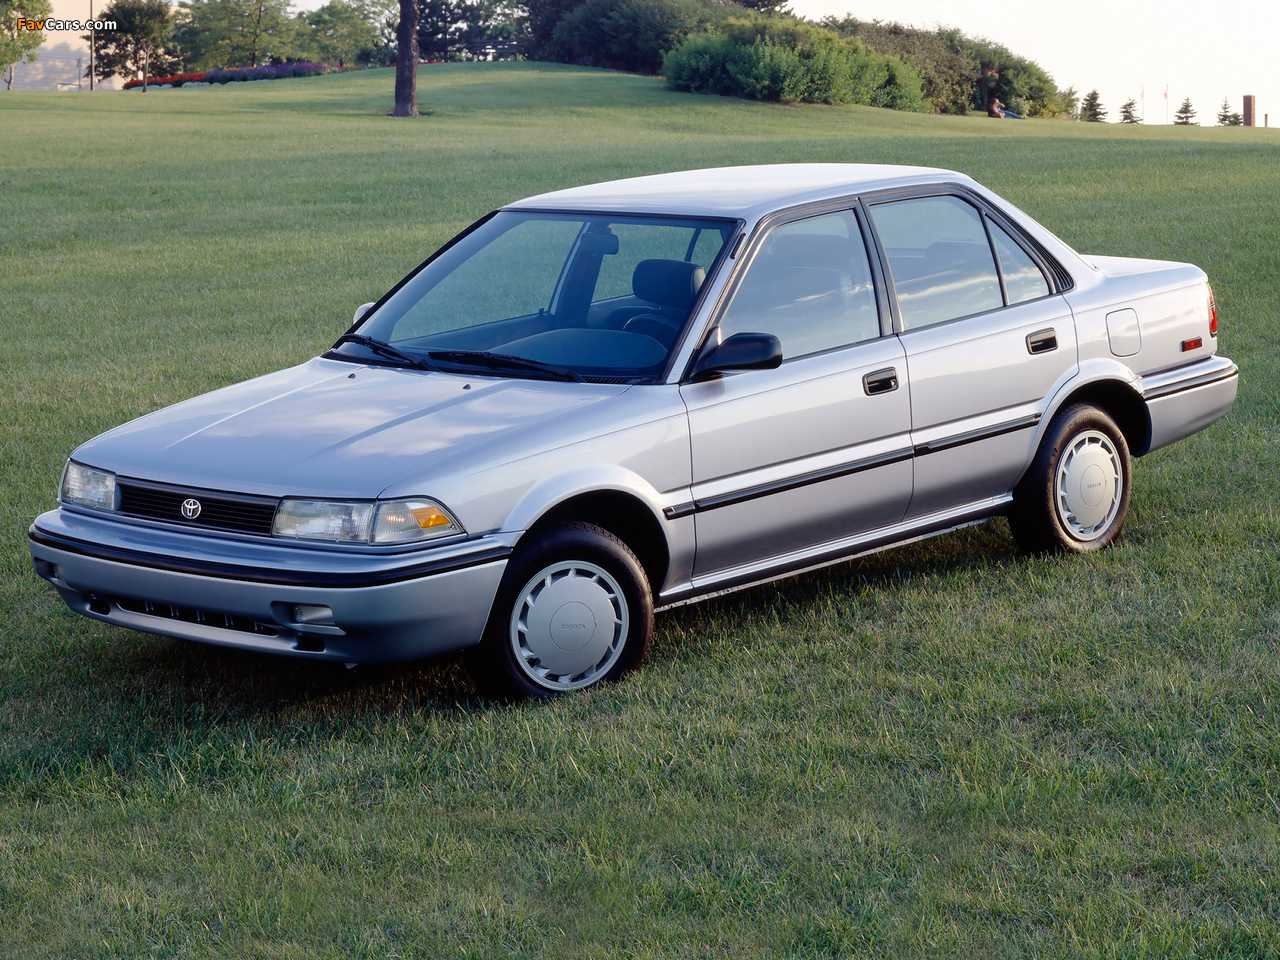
[540,294]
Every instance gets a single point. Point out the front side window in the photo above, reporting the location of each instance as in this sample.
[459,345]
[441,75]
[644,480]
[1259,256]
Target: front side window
[810,286]
[581,295]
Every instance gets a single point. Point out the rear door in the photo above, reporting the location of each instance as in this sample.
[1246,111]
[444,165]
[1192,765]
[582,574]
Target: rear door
[987,338]
[818,449]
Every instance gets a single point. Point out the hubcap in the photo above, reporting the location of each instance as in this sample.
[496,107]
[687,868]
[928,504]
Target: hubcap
[569,625]
[1089,485]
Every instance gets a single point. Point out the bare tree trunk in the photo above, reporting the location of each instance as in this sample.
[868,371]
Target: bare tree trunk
[146,68]
[407,60]
[8,79]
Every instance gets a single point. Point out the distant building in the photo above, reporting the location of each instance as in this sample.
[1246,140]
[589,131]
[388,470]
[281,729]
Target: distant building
[64,58]
[1250,111]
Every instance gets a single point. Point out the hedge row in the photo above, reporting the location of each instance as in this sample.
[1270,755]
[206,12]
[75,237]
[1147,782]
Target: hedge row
[791,62]
[277,71]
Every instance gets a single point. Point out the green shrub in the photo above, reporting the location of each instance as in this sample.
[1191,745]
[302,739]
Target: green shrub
[788,61]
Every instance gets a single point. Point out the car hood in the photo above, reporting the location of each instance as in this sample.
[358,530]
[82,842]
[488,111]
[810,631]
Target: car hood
[329,428]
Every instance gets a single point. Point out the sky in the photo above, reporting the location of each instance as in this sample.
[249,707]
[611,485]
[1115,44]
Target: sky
[1202,50]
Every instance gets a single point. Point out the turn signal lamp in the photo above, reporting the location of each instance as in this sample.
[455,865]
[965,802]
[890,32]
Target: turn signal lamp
[1213,315]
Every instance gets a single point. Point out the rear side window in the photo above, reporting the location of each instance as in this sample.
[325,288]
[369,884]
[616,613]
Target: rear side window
[940,259]
[1023,280]
[810,286]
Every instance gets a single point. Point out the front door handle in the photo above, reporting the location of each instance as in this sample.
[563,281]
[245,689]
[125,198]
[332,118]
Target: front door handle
[1042,341]
[880,381]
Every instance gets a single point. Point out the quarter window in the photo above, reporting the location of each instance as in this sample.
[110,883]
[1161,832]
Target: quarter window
[940,259]
[1023,280]
[810,286]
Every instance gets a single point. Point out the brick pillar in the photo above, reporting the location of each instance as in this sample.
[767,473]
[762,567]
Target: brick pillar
[1250,107]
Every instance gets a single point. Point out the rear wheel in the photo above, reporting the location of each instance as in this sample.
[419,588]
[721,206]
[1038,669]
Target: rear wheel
[574,610]
[1075,496]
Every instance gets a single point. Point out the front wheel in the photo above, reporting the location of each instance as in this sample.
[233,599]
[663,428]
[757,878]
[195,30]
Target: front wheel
[574,609]
[1075,496]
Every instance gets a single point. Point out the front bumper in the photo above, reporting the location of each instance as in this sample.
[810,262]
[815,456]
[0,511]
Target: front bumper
[241,593]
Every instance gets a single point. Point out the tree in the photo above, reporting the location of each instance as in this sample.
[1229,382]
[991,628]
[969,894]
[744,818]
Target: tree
[1227,118]
[1129,111]
[20,44]
[140,43]
[235,33]
[1091,108]
[342,33]
[407,60]
[1185,117]
[631,35]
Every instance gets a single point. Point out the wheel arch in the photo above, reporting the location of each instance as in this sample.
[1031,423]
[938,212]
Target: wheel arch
[1113,392]
[626,509]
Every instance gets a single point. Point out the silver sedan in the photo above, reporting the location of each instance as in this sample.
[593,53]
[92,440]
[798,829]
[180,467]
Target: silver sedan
[617,398]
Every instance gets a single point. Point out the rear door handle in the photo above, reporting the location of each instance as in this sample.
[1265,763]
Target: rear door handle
[880,381]
[1042,341]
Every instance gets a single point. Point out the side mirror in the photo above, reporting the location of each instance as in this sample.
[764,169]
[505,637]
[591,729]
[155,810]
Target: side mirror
[742,351]
[361,311]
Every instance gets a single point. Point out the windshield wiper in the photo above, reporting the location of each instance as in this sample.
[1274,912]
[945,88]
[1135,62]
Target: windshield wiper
[387,350]
[503,361]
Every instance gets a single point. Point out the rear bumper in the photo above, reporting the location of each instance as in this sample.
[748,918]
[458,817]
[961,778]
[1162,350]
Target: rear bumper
[1186,400]
[241,594]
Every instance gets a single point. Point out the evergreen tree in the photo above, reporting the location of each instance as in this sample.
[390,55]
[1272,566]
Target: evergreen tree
[1128,111]
[1091,108]
[1224,114]
[1185,117]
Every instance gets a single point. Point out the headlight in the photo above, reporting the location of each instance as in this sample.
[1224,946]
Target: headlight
[323,520]
[88,488]
[395,521]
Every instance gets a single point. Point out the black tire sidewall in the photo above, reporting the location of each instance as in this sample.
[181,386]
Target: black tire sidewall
[1036,521]
[494,661]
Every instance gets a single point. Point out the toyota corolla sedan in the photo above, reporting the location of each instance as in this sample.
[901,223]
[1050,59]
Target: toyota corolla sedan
[617,398]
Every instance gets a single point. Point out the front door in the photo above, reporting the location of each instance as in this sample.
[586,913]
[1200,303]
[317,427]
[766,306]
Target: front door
[818,449]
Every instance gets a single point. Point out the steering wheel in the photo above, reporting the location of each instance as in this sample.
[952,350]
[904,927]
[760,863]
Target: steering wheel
[655,325]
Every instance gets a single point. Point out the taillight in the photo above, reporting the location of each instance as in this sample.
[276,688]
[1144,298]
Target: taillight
[1213,315]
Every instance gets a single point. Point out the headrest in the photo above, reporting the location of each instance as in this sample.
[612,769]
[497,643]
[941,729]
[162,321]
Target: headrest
[955,254]
[811,250]
[668,283]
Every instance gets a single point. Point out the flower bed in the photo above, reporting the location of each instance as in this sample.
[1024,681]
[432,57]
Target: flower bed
[277,71]
[176,81]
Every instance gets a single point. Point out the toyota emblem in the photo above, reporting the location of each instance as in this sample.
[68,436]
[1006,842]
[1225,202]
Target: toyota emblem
[191,508]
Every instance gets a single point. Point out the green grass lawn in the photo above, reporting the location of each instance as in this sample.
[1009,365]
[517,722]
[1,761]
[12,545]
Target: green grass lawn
[944,750]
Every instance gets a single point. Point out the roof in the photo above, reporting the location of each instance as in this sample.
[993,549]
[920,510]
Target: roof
[738,192]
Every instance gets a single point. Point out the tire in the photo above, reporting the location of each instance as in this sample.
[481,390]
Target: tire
[1075,496]
[574,610]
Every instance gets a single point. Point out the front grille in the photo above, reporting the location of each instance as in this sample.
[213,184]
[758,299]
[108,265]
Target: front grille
[223,621]
[218,511]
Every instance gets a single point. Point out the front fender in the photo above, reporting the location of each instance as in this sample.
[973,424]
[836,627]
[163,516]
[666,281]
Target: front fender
[545,495]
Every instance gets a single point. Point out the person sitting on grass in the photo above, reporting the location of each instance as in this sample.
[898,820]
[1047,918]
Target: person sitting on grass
[996,109]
